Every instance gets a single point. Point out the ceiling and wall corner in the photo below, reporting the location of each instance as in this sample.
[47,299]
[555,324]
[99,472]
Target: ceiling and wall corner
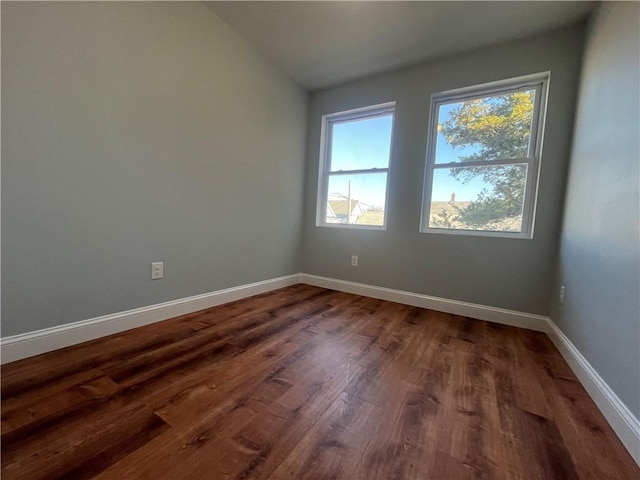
[127,104]
[323,44]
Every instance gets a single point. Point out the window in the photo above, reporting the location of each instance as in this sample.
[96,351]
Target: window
[483,158]
[354,167]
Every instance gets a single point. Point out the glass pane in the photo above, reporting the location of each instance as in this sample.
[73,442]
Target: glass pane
[479,198]
[486,128]
[357,199]
[361,144]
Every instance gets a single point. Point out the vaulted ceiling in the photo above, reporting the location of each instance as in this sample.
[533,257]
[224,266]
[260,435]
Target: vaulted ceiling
[320,44]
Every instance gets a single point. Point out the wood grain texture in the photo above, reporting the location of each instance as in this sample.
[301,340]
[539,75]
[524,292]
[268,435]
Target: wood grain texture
[305,382]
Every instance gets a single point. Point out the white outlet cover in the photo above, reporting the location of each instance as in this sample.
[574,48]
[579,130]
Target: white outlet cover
[157,270]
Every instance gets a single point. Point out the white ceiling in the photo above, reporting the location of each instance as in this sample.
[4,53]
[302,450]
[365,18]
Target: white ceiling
[323,43]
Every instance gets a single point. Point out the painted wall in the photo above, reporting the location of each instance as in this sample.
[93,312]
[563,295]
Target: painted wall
[509,273]
[139,132]
[599,261]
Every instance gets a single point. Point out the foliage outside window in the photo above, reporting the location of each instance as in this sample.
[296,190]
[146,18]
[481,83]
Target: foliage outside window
[483,158]
[354,167]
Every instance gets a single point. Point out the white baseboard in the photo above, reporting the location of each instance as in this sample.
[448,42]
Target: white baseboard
[41,341]
[622,420]
[624,423]
[473,310]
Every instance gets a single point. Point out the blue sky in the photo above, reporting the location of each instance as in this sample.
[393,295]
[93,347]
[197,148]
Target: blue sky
[444,184]
[358,145]
[366,144]
[361,144]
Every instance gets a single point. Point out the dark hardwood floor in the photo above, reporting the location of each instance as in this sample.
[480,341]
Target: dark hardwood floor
[304,382]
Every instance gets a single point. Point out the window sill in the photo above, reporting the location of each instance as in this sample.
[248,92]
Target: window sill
[480,233]
[347,226]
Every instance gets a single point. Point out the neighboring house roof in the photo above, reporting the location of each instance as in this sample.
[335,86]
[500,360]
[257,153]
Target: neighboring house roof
[340,207]
[330,212]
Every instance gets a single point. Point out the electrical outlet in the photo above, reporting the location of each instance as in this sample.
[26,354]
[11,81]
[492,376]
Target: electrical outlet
[561,295]
[157,270]
[354,260]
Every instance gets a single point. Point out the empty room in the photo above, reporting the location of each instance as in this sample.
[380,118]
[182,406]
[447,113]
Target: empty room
[321,240]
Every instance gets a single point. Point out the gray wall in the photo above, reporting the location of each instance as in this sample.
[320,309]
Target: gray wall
[508,273]
[139,132]
[599,255]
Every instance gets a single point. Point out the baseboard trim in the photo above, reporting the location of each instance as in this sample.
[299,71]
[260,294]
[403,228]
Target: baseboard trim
[625,424]
[503,316]
[29,344]
[622,420]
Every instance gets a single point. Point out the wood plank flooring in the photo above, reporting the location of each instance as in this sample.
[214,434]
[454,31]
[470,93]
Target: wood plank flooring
[304,382]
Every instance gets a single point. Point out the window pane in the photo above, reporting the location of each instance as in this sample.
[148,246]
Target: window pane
[357,199]
[485,128]
[487,198]
[361,144]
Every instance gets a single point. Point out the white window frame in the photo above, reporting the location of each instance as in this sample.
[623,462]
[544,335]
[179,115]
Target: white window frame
[325,172]
[538,81]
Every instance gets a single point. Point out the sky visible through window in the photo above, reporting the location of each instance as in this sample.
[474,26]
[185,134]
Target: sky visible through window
[365,144]
[360,145]
[445,153]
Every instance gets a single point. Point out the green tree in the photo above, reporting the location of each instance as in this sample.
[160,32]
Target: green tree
[443,219]
[496,127]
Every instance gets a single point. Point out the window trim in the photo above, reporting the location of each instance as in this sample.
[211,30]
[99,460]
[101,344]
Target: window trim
[540,81]
[324,171]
